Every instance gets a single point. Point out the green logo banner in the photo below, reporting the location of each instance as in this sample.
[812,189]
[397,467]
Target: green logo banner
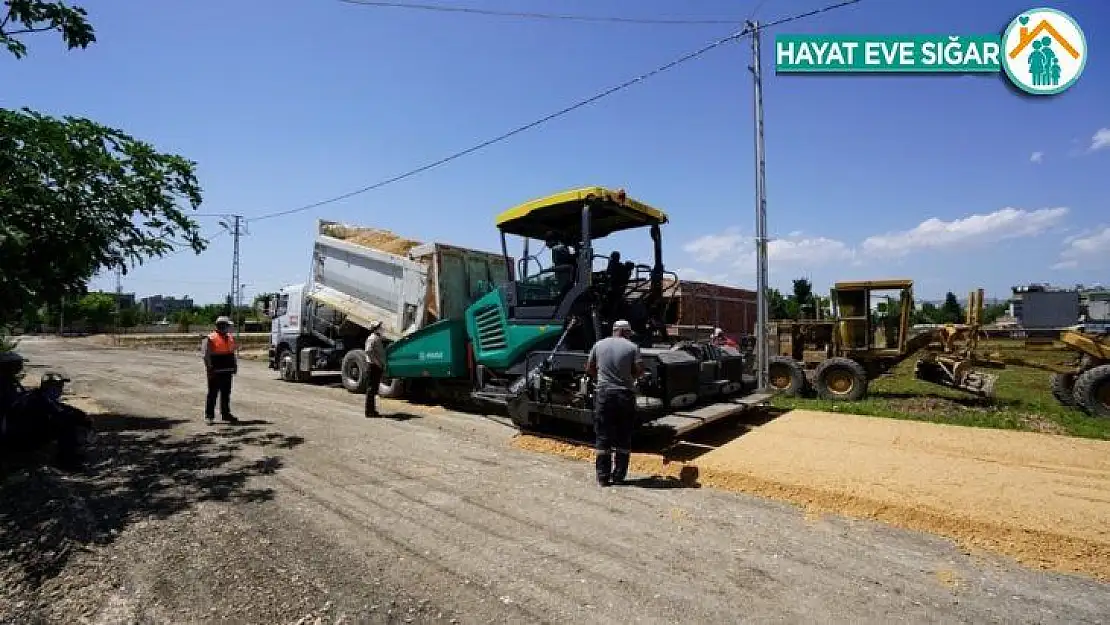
[796,54]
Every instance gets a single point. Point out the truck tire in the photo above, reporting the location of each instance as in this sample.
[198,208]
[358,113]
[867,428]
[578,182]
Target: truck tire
[354,371]
[1092,391]
[391,388]
[786,376]
[287,367]
[840,379]
[1063,388]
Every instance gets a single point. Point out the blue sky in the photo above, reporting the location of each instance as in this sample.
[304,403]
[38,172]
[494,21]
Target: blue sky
[284,103]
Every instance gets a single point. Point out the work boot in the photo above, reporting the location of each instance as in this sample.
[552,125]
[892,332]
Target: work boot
[620,468]
[603,463]
[227,418]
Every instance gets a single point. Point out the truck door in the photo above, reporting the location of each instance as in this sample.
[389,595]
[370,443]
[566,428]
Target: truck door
[286,324]
[281,305]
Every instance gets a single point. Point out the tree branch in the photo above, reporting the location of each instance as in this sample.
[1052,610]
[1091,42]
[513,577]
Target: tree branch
[30,30]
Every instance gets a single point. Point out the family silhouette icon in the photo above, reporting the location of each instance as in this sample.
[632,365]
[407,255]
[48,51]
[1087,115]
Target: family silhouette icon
[1043,64]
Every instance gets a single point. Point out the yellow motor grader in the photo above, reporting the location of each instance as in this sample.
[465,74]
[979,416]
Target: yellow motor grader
[869,334]
[1084,383]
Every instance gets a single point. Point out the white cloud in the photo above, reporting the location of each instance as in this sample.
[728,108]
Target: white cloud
[808,250]
[794,253]
[729,257]
[1007,223]
[1036,157]
[1089,247]
[1100,140]
[711,247]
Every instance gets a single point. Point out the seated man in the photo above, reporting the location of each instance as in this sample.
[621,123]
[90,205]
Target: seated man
[562,261]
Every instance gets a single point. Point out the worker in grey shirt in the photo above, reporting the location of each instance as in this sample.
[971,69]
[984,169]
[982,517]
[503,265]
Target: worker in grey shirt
[375,356]
[615,363]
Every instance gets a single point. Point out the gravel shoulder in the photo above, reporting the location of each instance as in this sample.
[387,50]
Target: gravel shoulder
[310,513]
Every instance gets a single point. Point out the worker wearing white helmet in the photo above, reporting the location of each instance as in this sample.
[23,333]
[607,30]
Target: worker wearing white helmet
[615,363]
[375,357]
[220,364]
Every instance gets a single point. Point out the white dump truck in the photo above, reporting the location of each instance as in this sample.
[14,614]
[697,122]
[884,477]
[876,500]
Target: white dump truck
[361,275]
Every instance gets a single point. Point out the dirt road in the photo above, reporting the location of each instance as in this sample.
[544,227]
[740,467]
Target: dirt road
[310,510]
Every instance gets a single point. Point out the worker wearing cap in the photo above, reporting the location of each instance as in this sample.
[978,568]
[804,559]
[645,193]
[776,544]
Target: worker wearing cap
[220,363]
[615,363]
[375,356]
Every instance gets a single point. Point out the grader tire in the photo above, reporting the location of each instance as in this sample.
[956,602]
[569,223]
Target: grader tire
[1063,388]
[840,379]
[1092,391]
[786,376]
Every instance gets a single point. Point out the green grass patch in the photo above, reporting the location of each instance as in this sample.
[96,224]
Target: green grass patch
[1023,399]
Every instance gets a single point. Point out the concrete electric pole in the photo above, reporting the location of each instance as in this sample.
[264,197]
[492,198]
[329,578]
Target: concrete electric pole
[760,212]
[237,228]
[119,297]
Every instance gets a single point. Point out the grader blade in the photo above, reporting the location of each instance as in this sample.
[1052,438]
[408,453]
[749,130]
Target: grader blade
[956,373]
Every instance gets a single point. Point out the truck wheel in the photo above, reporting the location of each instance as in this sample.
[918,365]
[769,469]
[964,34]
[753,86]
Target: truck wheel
[287,367]
[840,379]
[353,371]
[391,388]
[786,376]
[1063,388]
[1092,391]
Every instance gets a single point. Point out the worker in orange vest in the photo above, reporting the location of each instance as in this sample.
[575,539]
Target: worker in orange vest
[221,364]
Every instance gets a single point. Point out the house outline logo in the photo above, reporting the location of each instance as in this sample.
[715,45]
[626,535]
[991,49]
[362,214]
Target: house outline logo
[1044,51]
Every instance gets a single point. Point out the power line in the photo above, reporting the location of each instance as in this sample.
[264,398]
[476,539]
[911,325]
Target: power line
[519,129]
[544,16]
[552,116]
[189,249]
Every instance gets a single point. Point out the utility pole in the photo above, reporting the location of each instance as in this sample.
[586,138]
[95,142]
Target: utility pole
[119,297]
[237,228]
[760,211]
[239,306]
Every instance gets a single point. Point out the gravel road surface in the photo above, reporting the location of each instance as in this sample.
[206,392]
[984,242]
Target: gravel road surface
[309,513]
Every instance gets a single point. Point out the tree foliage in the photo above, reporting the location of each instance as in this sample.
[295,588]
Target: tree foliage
[77,197]
[24,17]
[950,310]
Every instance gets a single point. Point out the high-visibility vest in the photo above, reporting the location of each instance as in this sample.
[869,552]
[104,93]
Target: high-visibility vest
[221,343]
[221,351]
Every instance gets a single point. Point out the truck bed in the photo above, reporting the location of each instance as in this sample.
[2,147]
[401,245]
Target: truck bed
[369,274]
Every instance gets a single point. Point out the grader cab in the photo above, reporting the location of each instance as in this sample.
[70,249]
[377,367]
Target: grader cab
[868,335]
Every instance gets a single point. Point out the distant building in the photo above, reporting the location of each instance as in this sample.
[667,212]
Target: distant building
[698,307]
[1044,306]
[163,306]
[1098,305]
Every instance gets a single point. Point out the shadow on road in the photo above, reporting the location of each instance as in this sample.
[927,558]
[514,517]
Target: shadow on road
[136,471]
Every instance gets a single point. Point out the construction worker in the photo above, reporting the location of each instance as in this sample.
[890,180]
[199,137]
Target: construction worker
[615,364]
[563,262]
[375,357]
[220,364]
[722,339]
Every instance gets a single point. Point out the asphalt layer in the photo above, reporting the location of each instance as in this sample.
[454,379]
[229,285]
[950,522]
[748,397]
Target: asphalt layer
[309,512]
